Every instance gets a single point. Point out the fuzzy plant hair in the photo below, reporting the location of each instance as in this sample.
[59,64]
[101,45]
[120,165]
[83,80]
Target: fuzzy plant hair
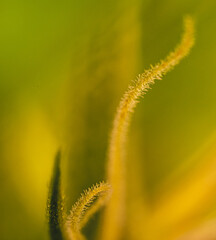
[112,194]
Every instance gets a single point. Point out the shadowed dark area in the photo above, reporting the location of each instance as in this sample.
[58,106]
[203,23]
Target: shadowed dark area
[55,202]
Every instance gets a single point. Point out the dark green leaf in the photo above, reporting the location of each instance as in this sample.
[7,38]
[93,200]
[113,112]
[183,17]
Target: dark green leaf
[54,204]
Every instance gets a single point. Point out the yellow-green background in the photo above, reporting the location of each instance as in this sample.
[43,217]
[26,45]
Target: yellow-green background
[64,66]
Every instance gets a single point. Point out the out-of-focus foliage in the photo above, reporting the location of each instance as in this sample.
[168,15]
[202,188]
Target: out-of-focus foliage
[63,67]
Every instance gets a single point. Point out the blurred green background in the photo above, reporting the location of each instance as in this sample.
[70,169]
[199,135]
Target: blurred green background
[64,66]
